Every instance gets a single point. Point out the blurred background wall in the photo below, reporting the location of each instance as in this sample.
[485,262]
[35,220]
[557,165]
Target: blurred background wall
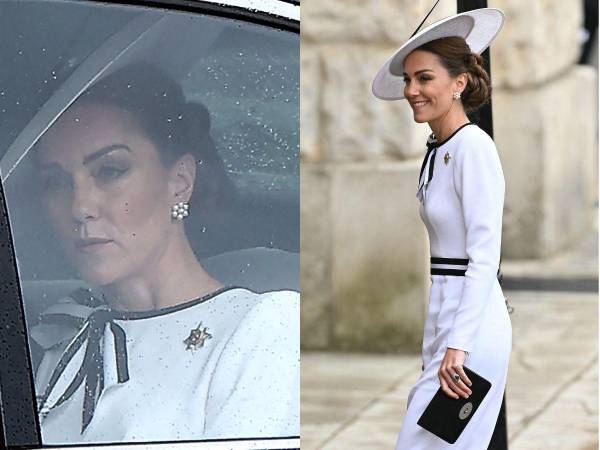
[364,249]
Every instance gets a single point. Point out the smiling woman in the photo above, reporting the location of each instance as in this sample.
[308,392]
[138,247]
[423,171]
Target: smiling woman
[461,193]
[444,65]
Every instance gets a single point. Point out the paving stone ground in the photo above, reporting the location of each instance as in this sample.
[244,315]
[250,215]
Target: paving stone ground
[352,401]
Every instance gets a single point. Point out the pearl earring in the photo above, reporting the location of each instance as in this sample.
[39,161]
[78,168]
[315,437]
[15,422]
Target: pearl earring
[456,95]
[180,210]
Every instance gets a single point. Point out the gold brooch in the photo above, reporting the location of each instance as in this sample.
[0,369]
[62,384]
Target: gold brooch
[197,337]
[447,158]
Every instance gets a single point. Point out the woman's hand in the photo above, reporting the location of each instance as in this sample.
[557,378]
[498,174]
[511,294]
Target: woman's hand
[452,364]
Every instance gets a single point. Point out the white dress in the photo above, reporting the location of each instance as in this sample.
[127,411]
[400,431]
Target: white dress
[462,211]
[237,376]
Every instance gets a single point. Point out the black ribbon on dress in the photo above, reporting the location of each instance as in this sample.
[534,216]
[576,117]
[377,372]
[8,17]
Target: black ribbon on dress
[428,161]
[92,368]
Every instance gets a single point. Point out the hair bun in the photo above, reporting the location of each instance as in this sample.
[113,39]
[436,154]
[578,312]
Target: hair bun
[197,117]
[472,59]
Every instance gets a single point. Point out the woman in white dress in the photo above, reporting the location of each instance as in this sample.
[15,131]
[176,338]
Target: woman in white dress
[168,353]
[461,192]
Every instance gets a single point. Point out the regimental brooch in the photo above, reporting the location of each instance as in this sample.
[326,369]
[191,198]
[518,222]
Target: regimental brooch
[447,158]
[197,337]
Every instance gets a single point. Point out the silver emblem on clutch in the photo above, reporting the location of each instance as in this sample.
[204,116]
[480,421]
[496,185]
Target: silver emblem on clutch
[465,411]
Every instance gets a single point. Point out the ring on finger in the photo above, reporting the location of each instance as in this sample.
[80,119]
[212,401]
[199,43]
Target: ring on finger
[456,377]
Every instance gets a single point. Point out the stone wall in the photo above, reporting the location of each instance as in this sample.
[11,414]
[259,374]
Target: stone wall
[364,249]
[548,152]
[545,111]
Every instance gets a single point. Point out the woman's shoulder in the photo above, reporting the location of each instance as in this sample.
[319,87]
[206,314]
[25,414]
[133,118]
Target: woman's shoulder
[285,298]
[472,137]
[474,148]
[273,305]
[268,316]
[242,313]
[278,299]
[476,157]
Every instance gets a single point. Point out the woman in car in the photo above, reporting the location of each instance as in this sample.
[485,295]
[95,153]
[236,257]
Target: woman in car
[161,350]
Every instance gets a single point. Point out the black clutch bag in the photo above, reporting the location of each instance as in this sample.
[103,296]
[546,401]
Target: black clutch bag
[447,417]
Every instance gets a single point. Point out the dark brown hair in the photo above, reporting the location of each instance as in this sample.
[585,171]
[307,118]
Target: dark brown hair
[456,56]
[175,126]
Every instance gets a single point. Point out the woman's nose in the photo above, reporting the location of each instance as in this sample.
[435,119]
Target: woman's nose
[410,89]
[85,202]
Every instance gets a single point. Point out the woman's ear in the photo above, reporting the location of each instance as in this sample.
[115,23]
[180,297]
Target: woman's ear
[181,178]
[461,82]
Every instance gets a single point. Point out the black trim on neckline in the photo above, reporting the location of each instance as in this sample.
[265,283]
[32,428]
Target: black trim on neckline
[135,315]
[439,144]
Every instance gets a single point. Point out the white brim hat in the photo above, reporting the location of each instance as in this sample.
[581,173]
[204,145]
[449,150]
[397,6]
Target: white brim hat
[478,27]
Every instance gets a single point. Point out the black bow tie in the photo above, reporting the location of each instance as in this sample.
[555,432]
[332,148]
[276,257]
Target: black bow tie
[92,367]
[431,148]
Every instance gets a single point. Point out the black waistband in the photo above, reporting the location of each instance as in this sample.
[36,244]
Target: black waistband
[450,261]
[453,272]
[459,270]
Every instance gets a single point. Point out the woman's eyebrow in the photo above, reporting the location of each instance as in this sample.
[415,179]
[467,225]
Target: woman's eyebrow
[103,151]
[418,72]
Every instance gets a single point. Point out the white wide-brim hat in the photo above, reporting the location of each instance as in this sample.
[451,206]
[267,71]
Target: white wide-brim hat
[478,27]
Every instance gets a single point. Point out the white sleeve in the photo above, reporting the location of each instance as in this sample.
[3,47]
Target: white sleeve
[256,384]
[479,183]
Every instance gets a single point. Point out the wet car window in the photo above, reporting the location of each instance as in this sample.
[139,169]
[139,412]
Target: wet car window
[149,161]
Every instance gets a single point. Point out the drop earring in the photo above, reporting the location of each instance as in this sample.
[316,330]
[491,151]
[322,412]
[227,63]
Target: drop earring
[456,95]
[180,210]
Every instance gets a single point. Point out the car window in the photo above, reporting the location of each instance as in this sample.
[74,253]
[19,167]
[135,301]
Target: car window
[149,162]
